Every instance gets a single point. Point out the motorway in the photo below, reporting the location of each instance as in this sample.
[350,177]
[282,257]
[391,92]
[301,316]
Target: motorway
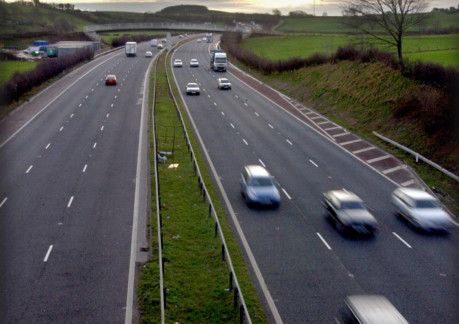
[67,188]
[308,266]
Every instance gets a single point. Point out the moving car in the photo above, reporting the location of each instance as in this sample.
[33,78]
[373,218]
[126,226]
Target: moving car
[257,187]
[199,40]
[348,212]
[374,309]
[223,83]
[194,63]
[110,79]
[159,46]
[163,40]
[148,54]
[178,63]
[192,88]
[421,208]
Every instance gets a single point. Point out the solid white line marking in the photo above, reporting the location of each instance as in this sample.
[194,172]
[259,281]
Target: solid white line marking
[223,114]
[387,171]
[288,141]
[257,114]
[324,122]
[340,134]
[313,163]
[245,142]
[407,183]
[286,193]
[70,202]
[316,117]
[379,158]
[47,146]
[402,240]
[48,253]
[60,129]
[261,162]
[364,149]
[94,146]
[30,168]
[323,241]
[271,126]
[84,168]
[330,128]
[350,142]
[232,125]
[101,128]
[310,113]
[71,116]
[107,115]
[3,202]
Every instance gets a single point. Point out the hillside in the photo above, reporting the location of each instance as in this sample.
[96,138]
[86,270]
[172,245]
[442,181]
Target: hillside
[23,17]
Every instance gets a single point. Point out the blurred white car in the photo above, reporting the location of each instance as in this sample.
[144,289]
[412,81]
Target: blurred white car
[223,83]
[194,63]
[420,208]
[178,63]
[374,309]
[159,46]
[148,54]
[192,88]
[199,40]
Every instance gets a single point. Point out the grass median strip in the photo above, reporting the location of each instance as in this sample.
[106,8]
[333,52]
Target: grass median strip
[195,277]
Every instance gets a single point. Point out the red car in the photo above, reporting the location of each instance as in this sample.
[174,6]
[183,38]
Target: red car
[110,79]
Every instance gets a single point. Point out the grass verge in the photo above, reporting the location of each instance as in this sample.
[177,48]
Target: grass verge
[196,278]
[8,68]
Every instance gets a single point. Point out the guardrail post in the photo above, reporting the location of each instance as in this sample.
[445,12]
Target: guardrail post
[164,294]
[223,252]
[210,209]
[230,280]
[235,297]
[417,157]
[215,229]
[241,314]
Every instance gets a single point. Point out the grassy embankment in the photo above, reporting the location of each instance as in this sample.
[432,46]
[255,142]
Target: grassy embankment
[436,21]
[441,49]
[108,37]
[359,97]
[195,276]
[8,68]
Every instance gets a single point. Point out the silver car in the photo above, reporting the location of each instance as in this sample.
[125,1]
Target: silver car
[223,83]
[178,63]
[421,209]
[194,63]
[349,212]
[192,88]
[257,187]
[374,309]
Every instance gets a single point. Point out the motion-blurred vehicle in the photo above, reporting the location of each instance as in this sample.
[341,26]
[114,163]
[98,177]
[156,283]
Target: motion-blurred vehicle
[223,83]
[421,209]
[374,309]
[194,63]
[154,42]
[178,63]
[257,187]
[199,40]
[148,54]
[159,46]
[349,212]
[192,88]
[110,79]
[131,48]
[218,60]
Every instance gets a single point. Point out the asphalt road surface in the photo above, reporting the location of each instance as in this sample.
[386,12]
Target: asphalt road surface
[67,190]
[309,267]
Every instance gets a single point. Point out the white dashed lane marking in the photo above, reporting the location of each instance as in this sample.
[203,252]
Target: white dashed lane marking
[3,202]
[70,202]
[323,241]
[288,141]
[286,193]
[101,128]
[48,253]
[402,240]
[47,146]
[60,129]
[313,163]
[30,168]
[232,125]
[261,162]
[94,146]
[245,142]
[271,126]
[84,168]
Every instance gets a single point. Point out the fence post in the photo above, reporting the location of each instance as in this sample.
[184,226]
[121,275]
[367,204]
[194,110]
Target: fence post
[210,209]
[230,280]
[241,314]
[235,298]
[215,229]
[223,252]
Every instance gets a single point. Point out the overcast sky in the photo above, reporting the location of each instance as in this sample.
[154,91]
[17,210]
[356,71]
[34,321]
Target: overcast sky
[331,6]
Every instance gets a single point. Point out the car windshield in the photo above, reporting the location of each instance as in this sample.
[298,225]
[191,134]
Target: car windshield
[426,204]
[192,85]
[261,182]
[352,205]
[220,60]
[224,81]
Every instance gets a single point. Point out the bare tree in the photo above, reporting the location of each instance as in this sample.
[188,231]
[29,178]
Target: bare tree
[380,18]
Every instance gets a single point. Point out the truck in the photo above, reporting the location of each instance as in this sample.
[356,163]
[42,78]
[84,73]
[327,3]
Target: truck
[131,48]
[154,43]
[218,60]
[209,37]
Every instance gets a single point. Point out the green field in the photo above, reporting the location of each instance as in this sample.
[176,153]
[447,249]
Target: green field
[435,22]
[442,49]
[8,68]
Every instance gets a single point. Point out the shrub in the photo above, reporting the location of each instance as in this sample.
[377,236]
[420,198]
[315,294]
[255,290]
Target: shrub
[120,41]
[21,83]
